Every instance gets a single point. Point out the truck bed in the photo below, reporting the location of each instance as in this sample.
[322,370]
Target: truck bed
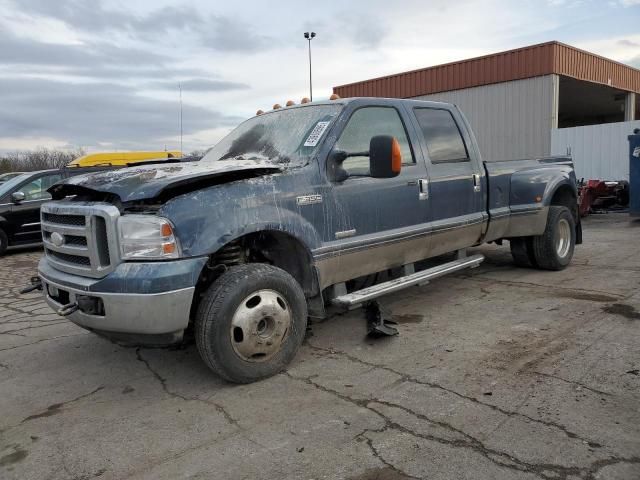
[516,189]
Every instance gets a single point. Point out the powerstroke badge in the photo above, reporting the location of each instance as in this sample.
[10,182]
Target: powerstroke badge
[308,199]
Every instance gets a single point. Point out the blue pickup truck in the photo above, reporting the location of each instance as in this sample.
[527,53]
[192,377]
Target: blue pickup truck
[284,217]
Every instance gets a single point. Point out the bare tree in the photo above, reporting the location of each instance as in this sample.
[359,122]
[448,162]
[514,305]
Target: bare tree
[40,159]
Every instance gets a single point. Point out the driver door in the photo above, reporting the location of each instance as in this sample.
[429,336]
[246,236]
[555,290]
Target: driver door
[378,223]
[25,215]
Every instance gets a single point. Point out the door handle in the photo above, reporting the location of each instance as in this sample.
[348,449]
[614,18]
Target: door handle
[476,182]
[424,189]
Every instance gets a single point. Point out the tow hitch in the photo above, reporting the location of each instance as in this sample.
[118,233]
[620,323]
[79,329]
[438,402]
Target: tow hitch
[34,284]
[67,309]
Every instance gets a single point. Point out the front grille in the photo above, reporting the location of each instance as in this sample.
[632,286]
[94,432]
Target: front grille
[75,240]
[71,259]
[76,220]
[69,239]
[80,239]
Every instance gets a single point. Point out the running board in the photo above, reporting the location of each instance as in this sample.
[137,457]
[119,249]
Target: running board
[361,296]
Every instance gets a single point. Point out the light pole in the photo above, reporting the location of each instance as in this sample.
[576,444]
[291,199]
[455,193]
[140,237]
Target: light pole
[310,36]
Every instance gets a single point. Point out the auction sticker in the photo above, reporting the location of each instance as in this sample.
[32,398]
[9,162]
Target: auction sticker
[316,134]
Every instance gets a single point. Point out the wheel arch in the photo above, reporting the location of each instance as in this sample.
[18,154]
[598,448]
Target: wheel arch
[275,247]
[566,195]
[285,251]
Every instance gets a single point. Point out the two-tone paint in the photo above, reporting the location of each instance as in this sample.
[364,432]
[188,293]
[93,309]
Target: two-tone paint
[346,229]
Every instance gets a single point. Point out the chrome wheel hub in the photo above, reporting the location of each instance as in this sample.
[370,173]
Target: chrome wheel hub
[563,238]
[260,326]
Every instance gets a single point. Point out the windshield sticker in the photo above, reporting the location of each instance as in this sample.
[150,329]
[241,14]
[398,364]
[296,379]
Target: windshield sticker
[316,134]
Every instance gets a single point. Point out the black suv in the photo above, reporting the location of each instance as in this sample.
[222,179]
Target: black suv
[20,199]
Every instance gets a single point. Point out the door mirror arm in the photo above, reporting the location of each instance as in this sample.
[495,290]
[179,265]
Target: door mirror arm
[334,166]
[17,197]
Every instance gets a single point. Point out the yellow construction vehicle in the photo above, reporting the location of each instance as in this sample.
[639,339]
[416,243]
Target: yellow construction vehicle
[121,159]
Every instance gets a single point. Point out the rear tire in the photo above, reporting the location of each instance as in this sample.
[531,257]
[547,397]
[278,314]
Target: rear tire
[4,242]
[251,322]
[553,249]
[522,252]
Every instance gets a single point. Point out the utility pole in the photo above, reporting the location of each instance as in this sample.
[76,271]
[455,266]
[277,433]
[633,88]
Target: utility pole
[310,36]
[180,88]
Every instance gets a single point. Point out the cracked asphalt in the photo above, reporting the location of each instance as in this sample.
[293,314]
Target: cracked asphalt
[498,373]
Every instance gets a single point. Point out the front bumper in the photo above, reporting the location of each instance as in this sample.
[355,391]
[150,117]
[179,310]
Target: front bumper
[151,298]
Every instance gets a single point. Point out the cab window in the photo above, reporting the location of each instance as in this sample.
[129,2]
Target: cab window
[366,123]
[442,135]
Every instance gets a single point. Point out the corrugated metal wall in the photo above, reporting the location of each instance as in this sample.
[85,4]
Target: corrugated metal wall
[598,151]
[527,62]
[510,119]
[533,61]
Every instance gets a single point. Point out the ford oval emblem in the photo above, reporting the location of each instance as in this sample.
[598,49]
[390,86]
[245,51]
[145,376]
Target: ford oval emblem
[57,239]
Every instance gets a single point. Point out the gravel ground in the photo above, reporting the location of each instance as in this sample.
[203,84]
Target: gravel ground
[498,373]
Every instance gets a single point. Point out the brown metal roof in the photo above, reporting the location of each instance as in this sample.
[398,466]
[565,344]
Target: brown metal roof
[527,62]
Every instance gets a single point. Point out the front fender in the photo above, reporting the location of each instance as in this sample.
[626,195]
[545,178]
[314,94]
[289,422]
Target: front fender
[247,222]
[204,231]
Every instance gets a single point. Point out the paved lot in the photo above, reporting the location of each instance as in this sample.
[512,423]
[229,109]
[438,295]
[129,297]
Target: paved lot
[499,373]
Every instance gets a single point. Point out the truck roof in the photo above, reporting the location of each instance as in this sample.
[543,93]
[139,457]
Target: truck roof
[364,101]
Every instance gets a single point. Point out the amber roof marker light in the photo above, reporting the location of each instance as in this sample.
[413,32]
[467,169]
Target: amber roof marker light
[310,36]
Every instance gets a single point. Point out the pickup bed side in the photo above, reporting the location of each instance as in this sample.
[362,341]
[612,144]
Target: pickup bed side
[521,191]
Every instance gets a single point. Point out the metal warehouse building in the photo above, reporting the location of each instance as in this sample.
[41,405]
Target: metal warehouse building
[540,100]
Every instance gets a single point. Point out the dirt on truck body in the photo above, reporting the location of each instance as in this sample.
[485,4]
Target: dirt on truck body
[285,216]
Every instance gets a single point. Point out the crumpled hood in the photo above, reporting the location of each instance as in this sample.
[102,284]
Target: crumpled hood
[144,182]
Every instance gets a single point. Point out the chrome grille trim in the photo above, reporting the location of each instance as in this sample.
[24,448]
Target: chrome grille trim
[78,224]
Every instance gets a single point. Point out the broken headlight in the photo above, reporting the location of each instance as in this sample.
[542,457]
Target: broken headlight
[147,237]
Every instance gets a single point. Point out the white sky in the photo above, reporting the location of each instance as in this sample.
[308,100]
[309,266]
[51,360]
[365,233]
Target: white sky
[104,74]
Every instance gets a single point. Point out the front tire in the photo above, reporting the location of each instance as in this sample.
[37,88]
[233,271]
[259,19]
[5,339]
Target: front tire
[4,242]
[553,249]
[251,322]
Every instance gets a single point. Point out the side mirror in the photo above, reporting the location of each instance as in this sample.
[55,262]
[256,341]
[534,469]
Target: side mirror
[385,157]
[334,166]
[18,197]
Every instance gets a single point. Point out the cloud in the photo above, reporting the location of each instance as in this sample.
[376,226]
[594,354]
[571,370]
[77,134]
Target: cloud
[214,32]
[625,42]
[198,85]
[22,51]
[90,114]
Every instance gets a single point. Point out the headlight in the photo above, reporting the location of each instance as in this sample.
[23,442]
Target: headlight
[147,237]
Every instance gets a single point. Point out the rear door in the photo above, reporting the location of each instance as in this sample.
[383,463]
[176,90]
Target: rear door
[456,201]
[25,215]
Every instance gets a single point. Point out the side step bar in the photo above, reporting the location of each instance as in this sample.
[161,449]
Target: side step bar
[361,296]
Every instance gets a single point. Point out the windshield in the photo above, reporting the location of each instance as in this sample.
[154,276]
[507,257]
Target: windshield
[287,136]
[6,176]
[9,185]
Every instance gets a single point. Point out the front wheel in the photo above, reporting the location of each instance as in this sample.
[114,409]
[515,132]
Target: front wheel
[553,249]
[4,242]
[251,322]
